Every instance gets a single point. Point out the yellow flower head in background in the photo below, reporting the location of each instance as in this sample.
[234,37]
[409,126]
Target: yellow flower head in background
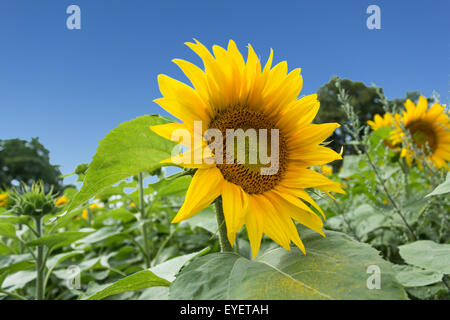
[427,126]
[61,201]
[94,206]
[132,204]
[4,199]
[232,93]
[85,214]
[386,121]
[380,122]
[326,170]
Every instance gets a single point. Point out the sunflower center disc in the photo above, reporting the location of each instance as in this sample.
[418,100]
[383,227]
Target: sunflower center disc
[248,174]
[422,133]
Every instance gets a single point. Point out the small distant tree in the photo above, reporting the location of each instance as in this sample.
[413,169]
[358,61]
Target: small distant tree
[364,99]
[28,162]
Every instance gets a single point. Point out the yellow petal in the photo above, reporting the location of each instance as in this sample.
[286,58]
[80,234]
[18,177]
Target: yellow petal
[205,187]
[235,202]
[314,156]
[254,222]
[312,134]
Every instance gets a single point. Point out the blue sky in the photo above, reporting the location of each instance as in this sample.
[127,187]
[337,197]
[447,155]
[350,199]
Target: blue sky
[70,87]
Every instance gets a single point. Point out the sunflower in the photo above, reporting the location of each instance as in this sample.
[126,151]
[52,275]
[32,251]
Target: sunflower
[4,199]
[85,214]
[381,121]
[387,120]
[429,129]
[61,201]
[326,170]
[231,93]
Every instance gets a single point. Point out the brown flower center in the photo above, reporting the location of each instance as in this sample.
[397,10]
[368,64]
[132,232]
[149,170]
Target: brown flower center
[262,145]
[422,133]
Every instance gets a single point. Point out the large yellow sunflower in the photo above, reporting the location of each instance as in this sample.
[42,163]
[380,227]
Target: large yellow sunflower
[232,93]
[427,126]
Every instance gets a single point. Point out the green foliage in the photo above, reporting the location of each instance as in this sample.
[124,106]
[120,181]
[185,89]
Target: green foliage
[442,188]
[28,162]
[125,247]
[391,206]
[127,150]
[333,268]
[427,254]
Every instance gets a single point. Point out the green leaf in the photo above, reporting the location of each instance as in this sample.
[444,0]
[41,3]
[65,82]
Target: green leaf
[7,218]
[8,230]
[428,292]
[53,261]
[442,188]
[59,240]
[137,281]
[99,235]
[168,269]
[333,268]
[18,280]
[171,187]
[127,150]
[428,255]
[205,219]
[16,262]
[349,166]
[416,277]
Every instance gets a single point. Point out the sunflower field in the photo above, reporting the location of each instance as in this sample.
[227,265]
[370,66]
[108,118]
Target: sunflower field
[163,214]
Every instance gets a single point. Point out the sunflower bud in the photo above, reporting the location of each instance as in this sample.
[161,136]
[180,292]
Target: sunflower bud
[32,201]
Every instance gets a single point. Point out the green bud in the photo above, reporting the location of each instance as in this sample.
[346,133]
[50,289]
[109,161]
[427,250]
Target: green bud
[32,201]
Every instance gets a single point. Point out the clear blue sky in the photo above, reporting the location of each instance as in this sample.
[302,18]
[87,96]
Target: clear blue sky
[70,87]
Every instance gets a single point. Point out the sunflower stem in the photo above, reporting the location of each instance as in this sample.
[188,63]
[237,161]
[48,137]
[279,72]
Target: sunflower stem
[39,262]
[143,216]
[225,245]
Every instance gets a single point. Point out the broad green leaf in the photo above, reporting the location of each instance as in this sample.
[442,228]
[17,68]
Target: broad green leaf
[117,190]
[428,292]
[7,218]
[99,235]
[4,249]
[53,261]
[171,187]
[205,219]
[137,281]
[127,150]
[8,230]
[442,188]
[416,277]
[122,214]
[86,265]
[16,262]
[333,268]
[18,280]
[366,219]
[59,240]
[168,269]
[428,255]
